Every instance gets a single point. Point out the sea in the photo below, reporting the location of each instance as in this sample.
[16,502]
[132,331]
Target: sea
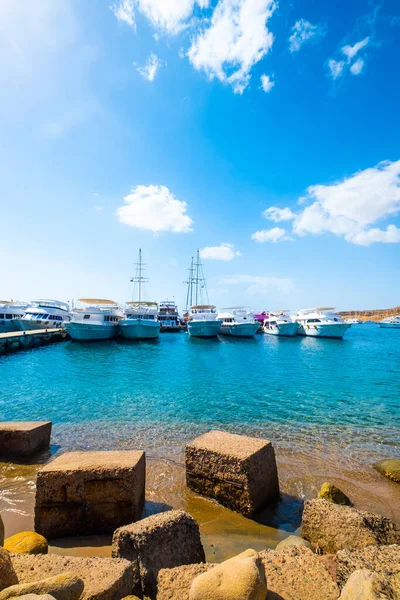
[331,408]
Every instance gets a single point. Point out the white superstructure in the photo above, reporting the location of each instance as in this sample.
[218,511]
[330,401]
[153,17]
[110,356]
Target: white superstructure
[168,316]
[320,322]
[9,311]
[202,318]
[237,321]
[390,322]
[94,319]
[280,323]
[44,314]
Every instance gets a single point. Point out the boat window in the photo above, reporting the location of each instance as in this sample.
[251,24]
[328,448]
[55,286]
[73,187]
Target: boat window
[2,316]
[334,318]
[8,316]
[86,316]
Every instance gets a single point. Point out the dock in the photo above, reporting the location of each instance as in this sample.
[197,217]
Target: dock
[23,340]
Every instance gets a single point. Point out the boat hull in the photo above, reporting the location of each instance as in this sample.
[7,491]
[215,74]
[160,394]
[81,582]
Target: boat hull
[330,330]
[389,325]
[84,332]
[7,326]
[283,329]
[239,329]
[139,329]
[203,329]
[35,324]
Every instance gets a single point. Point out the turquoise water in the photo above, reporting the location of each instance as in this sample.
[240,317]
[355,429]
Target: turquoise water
[157,395]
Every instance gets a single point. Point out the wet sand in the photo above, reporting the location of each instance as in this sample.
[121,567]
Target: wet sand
[224,533]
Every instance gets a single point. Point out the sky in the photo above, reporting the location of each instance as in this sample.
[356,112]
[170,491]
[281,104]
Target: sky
[265,133]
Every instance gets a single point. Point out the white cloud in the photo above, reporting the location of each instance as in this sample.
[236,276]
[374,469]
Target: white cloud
[267,83]
[258,284]
[222,252]
[357,66]
[276,234]
[304,31]
[336,67]
[273,213]
[169,15]
[351,51]
[154,208]
[236,39]
[150,68]
[124,12]
[390,235]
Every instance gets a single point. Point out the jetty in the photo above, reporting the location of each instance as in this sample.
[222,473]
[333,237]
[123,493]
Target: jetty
[23,340]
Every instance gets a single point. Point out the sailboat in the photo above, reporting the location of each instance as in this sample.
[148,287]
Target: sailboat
[140,317]
[202,320]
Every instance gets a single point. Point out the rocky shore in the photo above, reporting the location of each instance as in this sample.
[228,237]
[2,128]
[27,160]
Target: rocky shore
[340,552]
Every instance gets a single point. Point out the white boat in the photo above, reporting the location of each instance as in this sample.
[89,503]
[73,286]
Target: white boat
[9,311]
[390,322]
[44,314]
[353,321]
[320,322]
[140,318]
[168,316]
[237,321]
[280,323]
[202,319]
[94,319]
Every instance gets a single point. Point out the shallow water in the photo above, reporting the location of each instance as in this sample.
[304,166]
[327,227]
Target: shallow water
[330,407]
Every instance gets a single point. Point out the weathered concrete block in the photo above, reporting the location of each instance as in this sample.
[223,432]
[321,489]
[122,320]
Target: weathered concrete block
[238,471]
[23,438]
[104,578]
[382,560]
[83,493]
[174,584]
[162,541]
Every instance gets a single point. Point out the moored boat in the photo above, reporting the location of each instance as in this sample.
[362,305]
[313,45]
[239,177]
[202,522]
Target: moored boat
[280,323]
[9,312]
[168,316]
[237,321]
[390,322]
[44,314]
[353,321]
[202,319]
[320,322]
[94,319]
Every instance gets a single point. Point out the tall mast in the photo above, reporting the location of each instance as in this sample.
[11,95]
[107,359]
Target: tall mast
[189,295]
[197,276]
[140,275]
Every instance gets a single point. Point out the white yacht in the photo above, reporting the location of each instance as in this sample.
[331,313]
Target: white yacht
[280,322]
[94,319]
[9,311]
[168,316]
[353,321]
[390,322]
[202,319]
[44,314]
[140,318]
[320,322]
[237,321]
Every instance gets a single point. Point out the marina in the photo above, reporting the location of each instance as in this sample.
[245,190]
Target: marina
[34,338]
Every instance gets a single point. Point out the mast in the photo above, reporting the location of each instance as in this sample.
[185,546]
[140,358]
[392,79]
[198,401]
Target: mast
[139,276]
[189,295]
[197,275]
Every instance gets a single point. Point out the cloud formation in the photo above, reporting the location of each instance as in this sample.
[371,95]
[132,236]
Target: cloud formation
[303,31]
[156,209]
[267,83]
[274,235]
[222,252]
[337,68]
[258,284]
[124,12]
[273,213]
[150,68]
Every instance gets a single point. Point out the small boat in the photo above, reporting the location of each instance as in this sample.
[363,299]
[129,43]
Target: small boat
[390,322]
[202,319]
[353,321]
[237,321]
[9,311]
[280,323]
[140,319]
[44,314]
[320,322]
[168,316]
[94,319]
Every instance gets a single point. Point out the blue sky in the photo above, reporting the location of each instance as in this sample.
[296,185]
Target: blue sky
[264,133]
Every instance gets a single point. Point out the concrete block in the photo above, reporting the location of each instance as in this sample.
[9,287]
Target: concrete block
[23,438]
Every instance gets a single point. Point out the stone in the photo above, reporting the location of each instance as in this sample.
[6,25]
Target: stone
[7,573]
[164,540]
[389,468]
[296,573]
[293,540]
[174,584]
[382,560]
[238,471]
[332,493]
[104,578]
[333,527]
[366,585]
[66,586]
[26,542]
[239,578]
[23,438]
[1,531]
[34,597]
[86,493]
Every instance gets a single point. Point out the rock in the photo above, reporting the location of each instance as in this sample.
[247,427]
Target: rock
[104,578]
[239,578]
[332,493]
[296,573]
[26,542]
[329,562]
[366,585]
[334,527]
[34,597]
[238,471]
[24,438]
[63,587]
[1,532]
[293,540]
[164,540]
[382,560]
[389,468]
[85,493]
[7,574]
[174,584]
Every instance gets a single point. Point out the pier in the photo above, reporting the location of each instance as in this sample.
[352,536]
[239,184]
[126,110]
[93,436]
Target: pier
[23,340]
